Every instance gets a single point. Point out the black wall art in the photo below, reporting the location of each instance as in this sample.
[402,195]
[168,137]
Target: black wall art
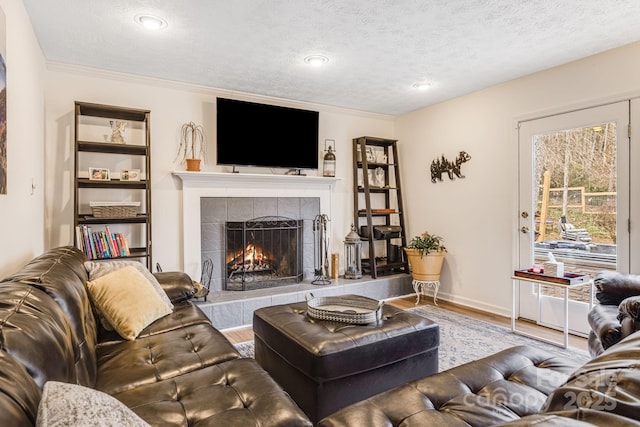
[442,165]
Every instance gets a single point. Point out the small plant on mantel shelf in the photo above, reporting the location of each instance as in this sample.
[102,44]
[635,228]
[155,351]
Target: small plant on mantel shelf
[426,255]
[192,145]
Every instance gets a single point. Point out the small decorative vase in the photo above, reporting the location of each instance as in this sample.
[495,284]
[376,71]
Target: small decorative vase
[193,165]
[117,131]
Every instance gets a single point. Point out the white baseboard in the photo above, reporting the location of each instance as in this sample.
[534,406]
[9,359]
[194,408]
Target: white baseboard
[467,302]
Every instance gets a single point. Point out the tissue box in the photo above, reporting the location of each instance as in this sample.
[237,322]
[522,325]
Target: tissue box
[555,269]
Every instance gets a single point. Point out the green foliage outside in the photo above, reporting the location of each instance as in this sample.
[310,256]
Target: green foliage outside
[585,158]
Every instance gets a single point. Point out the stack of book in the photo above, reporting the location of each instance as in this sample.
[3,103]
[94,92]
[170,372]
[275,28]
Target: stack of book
[101,244]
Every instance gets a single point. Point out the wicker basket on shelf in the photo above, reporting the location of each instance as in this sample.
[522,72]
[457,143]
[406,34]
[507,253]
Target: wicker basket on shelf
[114,209]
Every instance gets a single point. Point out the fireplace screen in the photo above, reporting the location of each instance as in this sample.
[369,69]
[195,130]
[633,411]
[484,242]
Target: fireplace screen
[263,252]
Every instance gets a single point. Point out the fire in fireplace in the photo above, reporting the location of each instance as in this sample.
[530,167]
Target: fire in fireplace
[263,252]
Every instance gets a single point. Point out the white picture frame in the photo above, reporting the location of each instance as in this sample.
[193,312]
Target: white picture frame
[130,175]
[99,174]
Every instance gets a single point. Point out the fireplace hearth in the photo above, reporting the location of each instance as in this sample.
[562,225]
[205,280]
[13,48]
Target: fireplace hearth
[263,252]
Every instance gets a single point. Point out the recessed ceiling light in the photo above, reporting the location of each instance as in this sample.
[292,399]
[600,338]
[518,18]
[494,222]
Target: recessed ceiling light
[316,60]
[151,22]
[421,86]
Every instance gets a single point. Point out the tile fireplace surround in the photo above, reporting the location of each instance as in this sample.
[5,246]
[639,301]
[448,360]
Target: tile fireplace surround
[199,185]
[216,211]
[229,309]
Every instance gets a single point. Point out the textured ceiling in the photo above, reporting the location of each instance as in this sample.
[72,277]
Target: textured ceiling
[377,48]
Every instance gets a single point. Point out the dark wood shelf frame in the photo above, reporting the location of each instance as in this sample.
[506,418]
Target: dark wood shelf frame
[90,219]
[107,112]
[377,264]
[108,147]
[364,214]
[114,183]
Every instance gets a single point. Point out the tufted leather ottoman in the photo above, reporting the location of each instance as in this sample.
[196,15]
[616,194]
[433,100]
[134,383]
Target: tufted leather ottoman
[326,365]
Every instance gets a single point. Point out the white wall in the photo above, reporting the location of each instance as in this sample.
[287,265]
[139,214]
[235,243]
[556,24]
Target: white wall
[171,105]
[21,210]
[477,215]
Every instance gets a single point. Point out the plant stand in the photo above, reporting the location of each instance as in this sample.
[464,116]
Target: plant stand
[420,286]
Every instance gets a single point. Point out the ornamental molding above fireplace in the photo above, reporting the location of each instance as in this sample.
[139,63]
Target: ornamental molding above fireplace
[196,185]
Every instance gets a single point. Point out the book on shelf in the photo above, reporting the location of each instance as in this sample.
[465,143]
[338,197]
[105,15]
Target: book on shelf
[101,244]
[109,239]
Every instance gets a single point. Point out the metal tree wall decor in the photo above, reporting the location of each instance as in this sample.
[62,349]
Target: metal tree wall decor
[442,165]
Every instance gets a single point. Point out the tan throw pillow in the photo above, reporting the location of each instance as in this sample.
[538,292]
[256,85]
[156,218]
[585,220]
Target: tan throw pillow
[97,269]
[127,301]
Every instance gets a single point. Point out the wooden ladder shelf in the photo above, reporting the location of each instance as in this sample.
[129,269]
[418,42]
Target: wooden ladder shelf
[378,208]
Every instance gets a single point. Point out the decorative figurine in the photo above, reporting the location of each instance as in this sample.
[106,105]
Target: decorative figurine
[378,177]
[117,131]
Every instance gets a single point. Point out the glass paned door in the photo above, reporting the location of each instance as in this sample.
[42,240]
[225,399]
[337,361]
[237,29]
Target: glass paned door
[574,204]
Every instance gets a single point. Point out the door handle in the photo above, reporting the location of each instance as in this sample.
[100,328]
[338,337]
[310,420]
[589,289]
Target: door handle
[524,229]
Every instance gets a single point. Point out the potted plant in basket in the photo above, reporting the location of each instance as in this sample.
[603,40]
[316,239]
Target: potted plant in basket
[192,145]
[426,254]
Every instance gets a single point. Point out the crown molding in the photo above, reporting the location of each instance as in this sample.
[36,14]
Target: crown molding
[61,67]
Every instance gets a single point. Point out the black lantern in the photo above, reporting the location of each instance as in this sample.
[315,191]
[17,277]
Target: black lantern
[353,261]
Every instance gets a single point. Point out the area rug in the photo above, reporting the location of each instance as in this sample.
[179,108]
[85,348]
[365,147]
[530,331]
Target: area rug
[464,339]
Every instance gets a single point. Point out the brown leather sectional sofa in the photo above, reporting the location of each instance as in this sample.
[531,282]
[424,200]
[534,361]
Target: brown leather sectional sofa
[520,386]
[618,313]
[524,386]
[180,370]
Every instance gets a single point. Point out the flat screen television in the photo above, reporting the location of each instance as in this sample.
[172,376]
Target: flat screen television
[252,134]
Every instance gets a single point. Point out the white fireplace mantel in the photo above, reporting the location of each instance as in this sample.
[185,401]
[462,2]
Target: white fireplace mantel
[196,185]
[194,178]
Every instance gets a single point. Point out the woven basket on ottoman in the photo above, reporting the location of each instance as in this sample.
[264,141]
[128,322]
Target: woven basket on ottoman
[328,365]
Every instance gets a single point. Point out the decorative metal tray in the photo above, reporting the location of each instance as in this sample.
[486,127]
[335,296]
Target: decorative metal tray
[347,309]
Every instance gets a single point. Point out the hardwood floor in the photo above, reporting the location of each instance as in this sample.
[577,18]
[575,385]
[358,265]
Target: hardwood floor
[522,325]
[246,334]
[239,335]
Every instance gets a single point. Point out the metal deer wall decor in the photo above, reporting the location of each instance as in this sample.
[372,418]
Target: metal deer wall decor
[442,165]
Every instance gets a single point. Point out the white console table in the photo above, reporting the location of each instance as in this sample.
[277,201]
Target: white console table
[547,281]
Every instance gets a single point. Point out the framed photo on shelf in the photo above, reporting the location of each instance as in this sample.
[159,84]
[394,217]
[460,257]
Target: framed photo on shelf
[130,175]
[371,157]
[99,174]
[377,177]
[330,143]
